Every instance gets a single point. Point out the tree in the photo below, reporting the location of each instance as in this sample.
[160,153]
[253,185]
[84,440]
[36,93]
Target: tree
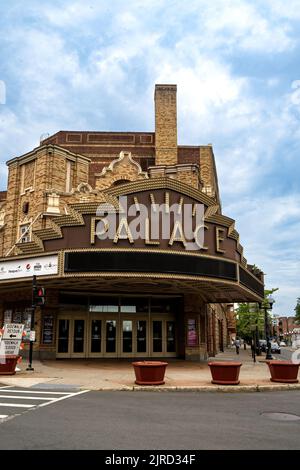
[297,310]
[251,318]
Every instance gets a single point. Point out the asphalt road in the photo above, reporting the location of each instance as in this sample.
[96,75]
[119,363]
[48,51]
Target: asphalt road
[285,354]
[158,420]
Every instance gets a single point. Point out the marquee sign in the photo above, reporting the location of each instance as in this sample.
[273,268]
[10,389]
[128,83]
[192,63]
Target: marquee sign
[27,267]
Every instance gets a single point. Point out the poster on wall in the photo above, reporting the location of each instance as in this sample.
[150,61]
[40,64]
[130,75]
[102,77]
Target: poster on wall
[48,329]
[27,324]
[192,337]
[27,267]
[17,316]
[7,316]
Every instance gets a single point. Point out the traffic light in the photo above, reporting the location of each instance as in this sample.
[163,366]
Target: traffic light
[38,295]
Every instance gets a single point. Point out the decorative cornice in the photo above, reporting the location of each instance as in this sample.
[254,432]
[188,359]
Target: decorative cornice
[122,158]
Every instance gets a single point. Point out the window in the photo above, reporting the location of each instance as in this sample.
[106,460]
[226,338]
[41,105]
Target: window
[25,233]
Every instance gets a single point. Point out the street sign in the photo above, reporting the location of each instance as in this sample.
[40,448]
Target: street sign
[13,331]
[9,347]
[32,335]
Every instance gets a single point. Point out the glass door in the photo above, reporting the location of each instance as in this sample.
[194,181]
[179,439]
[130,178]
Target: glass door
[157,337]
[141,338]
[127,338]
[78,337]
[63,337]
[133,337]
[163,336]
[96,338]
[110,342]
[71,336]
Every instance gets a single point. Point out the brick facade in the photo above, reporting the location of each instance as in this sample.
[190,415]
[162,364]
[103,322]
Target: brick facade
[78,167]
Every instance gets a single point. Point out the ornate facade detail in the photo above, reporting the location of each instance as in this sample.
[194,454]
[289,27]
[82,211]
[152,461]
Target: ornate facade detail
[84,188]
[124,168]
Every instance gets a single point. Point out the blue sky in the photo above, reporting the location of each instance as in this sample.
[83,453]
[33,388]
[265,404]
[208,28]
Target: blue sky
[92,64]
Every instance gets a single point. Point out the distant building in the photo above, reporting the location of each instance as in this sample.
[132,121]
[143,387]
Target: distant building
[285,327]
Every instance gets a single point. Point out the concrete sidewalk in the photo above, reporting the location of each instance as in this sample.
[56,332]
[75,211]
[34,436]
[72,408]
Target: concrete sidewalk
[112,374]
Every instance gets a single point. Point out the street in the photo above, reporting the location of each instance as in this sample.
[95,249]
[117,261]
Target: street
[284,355]
[157,420]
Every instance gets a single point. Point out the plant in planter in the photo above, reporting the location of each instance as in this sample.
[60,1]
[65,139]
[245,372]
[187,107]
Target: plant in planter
[283,371]
[8,364]
[149,372]
[225,372]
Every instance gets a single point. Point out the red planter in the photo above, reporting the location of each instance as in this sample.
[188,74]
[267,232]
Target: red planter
[225,373]
[283,371]
[149,372]
[8,365]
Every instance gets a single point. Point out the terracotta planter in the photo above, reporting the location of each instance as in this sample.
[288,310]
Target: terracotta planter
[8,365]
[149,372]
[225,373]
[283,371]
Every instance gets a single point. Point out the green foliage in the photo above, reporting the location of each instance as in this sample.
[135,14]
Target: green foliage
[249,316]
[297,310]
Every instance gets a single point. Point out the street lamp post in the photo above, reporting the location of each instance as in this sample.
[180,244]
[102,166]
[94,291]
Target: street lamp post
[267,305]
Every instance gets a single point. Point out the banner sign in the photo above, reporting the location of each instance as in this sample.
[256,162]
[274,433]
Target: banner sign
[192,336]
[27,267]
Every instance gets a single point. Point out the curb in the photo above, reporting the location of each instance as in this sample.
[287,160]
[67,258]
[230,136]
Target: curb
[203,388]
[193,388]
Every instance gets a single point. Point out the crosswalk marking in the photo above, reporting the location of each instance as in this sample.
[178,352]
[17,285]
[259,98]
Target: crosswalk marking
[63,398]
[33,391]
[14,399]
[16,405]
[18,397]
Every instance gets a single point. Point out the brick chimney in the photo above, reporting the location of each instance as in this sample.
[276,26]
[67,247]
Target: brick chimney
[165,125]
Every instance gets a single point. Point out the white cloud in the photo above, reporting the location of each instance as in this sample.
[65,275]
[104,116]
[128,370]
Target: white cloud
[268,227]
[93,65]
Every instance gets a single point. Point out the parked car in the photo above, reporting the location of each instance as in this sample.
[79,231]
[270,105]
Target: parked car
[282,343]
[275,348]
[263,345]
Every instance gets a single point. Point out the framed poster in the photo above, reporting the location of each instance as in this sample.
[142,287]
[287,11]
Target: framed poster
[192,336]
[48,329]
[7,318]
[17,316]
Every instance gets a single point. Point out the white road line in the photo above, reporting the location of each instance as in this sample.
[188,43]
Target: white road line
[33,391]
[26,398]
[3,416]
[17,405]
[63,398]
[6,386]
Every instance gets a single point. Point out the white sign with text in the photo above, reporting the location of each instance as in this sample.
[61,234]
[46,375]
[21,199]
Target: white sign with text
[13,331]
[27,267]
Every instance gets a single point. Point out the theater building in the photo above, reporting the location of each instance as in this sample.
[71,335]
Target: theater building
[109,293]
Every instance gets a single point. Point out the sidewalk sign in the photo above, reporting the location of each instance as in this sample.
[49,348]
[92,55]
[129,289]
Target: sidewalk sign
[11,339]
[13,331]
[10,347]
